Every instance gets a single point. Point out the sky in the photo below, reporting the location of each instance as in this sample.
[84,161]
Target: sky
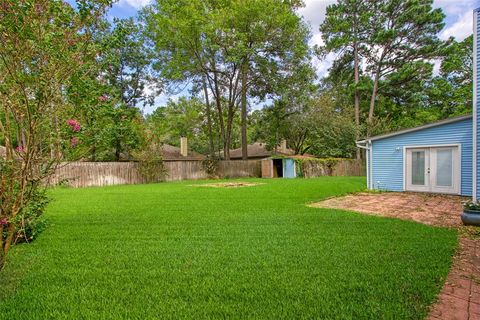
[458,23]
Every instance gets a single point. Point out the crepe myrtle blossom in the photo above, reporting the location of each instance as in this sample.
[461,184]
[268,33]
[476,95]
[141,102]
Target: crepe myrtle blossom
[74,125]
[20,149]
[3,222]
[103,98]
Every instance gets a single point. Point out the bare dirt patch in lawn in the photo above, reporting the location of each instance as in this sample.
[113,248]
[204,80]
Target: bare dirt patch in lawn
[460,296]
[238,184]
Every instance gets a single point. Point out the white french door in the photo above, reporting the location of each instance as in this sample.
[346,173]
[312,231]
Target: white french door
[433,169]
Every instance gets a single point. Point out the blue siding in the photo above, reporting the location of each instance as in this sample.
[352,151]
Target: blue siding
[388,161]
[476,92]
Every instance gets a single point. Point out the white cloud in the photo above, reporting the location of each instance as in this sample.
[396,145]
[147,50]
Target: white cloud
[436,66]
[317,39]
[459,17]
[461,28]
[137,4]
[314,11]
[314,14]
[323,65]
[456,7]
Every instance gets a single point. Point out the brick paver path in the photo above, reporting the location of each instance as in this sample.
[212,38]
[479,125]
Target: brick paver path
[460,297]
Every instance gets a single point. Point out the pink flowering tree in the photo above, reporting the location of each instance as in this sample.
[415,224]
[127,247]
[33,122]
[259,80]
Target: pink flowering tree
[43,43]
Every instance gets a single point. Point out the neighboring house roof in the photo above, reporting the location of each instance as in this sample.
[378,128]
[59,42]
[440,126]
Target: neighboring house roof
[257,150]
[172,153]
[425,126]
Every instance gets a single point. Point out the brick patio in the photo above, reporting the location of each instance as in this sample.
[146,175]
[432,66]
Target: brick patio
[460,296]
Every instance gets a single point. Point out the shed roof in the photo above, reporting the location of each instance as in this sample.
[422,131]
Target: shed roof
[422,127]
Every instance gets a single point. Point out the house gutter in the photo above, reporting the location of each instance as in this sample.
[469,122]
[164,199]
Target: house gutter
[366,145]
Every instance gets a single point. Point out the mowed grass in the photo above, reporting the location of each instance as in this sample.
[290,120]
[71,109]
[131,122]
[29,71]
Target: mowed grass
[176,251]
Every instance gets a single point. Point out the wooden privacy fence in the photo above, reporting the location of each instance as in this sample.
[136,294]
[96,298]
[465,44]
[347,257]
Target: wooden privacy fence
[86,174]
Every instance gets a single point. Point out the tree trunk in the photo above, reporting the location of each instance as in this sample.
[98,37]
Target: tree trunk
[372,101]
[357,96]
[118,151]
[55,152]
[218,102]
[244,112]
[228,134]
[8,141]
[209,119]
[2,259]
[375,90]
[93,153]
[9,239]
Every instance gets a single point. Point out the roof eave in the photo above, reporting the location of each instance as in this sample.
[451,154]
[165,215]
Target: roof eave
[425,126]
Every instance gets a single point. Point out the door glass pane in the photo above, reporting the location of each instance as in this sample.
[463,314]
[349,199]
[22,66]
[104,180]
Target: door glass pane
[418,168]
[444,167]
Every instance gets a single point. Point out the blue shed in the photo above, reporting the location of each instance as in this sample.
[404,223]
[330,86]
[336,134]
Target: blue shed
[441,157]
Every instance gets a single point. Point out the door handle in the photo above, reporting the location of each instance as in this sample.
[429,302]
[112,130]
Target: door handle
[428,170]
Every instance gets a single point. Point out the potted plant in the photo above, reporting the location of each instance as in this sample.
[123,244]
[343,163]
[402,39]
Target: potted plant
[471,213]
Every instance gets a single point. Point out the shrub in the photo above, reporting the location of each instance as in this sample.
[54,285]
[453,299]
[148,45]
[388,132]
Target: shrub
[211,165]
[150,163]
[315,167]
[30,222]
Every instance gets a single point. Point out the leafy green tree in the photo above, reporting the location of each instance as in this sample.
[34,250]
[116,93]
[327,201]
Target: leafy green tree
[345,32]
[108,91]
[396,39]
[44,42]
[239,48]
[126,63]
[402,40]
[332,129]
[121,133]
[450,92]
[183,118]
[271,124]
[320,127]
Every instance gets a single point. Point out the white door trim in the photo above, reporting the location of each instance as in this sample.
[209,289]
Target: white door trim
[458,181]
[426,186]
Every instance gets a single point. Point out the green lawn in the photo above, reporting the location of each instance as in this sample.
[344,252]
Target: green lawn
[176,251]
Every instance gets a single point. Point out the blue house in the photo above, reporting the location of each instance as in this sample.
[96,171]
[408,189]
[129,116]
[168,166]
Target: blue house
[441,157]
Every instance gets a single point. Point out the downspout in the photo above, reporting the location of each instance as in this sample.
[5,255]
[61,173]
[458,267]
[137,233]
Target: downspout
[371,164]
[365,144]
[474,119]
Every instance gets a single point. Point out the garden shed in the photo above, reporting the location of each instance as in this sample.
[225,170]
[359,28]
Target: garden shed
[279,168]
